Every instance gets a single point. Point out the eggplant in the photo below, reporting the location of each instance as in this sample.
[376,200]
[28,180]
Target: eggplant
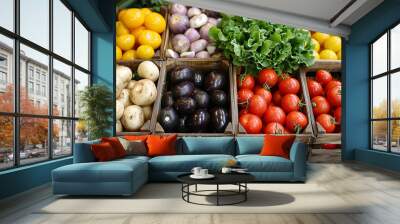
[219,119]
[181,74]
[168,119]
[200,120]
[214,81]
[183,89]
[185,105]
[198,79]
[202,98]
[183,124]
[167,100]
[218,98]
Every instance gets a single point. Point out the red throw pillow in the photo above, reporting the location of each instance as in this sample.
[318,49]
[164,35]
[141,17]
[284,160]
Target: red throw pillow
[161,145]
[277,145]
[136,137]
[103,152]
[116,145]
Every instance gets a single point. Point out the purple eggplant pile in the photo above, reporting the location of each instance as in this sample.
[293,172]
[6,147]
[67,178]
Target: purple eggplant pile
[195,101]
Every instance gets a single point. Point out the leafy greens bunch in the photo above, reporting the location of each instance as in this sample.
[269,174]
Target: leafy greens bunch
[256,44]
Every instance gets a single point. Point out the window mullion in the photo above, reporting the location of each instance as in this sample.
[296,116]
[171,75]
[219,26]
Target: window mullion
[73,81]
[389,101]
[16,84]
[50,81]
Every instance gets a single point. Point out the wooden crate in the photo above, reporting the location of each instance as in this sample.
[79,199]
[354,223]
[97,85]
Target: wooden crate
[306,136]
[147,126]
[320,133]
[204,65]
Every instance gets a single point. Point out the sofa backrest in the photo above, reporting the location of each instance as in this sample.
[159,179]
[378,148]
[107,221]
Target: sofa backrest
[206,145]
[249,144]
[83,152]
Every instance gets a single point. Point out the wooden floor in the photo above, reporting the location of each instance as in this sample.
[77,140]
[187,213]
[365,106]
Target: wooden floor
[379,189]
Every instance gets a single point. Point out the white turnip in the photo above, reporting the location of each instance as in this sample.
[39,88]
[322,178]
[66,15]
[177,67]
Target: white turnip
[148,70]
[178,9]
[193,12]
[118,126]
[198,45]
[133,118]
[131,84]
[192,34]
[188,54]
[147,110]
[178,23]
[202,54]
[198,21]
[143,93]
[123,76]
[124,97]
[180,43]
[171,54]
[204,30]
[119,109]
[211,48]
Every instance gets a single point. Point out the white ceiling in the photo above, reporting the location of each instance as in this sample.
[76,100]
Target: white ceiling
[330,16]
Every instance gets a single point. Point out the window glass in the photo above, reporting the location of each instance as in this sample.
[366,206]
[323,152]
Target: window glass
[6,142]
[81,82]
[33,139]
[379,135]
[395,95]
[62,137]
[62,89]
[30,58]
[81,45]
[6,74]
[34,21]
[7,14]
[379,56]
[62,29]
[395,47]
[379,98]
[81,131]
[395,136]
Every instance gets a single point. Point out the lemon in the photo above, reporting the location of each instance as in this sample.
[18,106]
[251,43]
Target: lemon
[121,29]
[155,21]
[118,53]
[146,11]
[316,55]
[137,31]
[126,41]
[339,55]
[120,14]
[327,54]
[320,37]
[132,18]
[333,43]
[145,52]
[316,44]
[129,55]
[151,38]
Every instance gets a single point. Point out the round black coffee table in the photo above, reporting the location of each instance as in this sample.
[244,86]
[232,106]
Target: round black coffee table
[238,179]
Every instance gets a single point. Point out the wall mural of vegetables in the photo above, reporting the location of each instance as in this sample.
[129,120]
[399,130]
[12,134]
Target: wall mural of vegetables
[190,27]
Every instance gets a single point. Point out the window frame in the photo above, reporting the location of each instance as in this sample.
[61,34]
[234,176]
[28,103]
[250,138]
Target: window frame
[388,74]
[16,114]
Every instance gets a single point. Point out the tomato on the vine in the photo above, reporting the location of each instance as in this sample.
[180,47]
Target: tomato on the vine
[327,122]
[277,98]
[244,96]
[251,123]
[246,81]
[334,96]
[257,105]
[337,113]
[274,128]
[323,77]
[274,114]
[264,93]
[296,121]
[267,77]
[289,85]
[290,102]
[314,88]
[320,105]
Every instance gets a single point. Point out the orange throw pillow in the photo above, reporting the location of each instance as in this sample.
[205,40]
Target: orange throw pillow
[136,137]
[116,145]
[161,145]
[103,152]
[277,145]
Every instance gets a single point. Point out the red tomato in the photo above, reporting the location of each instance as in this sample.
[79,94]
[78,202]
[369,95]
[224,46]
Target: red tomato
[274,114]
[334,96]
[246,82]
[277,98]
[243,112]
[314,88]
[257,105]
[323,77]
[244,96]
[264,93]
[274,128]
[337,114]
[327,122]
[320,105]
[267,77]
[251,123]
[332,84]
[290,102]
[289,85]
[296,121]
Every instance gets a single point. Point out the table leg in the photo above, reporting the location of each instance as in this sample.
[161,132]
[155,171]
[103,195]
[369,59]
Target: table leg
[195,188]
[217,194]
[245,193]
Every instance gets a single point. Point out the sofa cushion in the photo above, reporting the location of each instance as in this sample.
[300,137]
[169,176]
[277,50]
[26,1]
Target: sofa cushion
[207,145]
[277,145]
[185,163]
[161,145]
[116,145]
[103,152]
[257,163]
[249,145]
[83,152]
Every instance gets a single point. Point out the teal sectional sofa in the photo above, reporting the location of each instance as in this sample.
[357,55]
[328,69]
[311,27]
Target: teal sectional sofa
[125,176]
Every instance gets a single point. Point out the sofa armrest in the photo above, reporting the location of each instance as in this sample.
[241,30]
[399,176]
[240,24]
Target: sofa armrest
[298,156]
[83,152]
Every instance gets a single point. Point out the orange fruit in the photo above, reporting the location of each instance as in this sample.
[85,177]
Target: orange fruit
[120,13]
[129,55]
[120,29]
[126,41]
[137,31]
[155,21]
[118,53]
[146,11]
[145,52]
[149,37]
[132,18]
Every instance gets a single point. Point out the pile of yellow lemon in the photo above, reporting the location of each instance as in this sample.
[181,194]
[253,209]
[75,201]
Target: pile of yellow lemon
[138,33]
[327,47]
